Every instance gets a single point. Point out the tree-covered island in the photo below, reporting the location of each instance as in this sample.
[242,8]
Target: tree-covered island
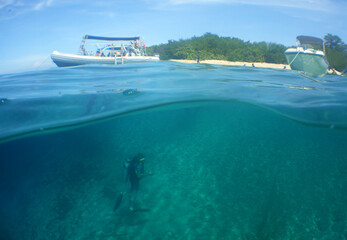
[211,46]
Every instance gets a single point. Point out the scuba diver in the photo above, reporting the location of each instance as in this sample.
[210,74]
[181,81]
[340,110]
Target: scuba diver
[134,171]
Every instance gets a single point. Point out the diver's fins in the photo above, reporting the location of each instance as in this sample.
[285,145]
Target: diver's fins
[118,202]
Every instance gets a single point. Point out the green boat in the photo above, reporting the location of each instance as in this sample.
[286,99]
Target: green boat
[308,56]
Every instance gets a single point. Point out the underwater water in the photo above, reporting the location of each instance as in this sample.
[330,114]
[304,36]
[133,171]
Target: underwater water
[236,153]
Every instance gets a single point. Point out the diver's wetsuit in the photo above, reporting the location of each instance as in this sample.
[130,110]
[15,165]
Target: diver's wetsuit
[134,171]
[133,178]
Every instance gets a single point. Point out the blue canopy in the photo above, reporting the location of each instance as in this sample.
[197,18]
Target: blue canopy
[111,38]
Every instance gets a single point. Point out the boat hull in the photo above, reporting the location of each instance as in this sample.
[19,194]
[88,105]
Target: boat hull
[69,60]
[314,64]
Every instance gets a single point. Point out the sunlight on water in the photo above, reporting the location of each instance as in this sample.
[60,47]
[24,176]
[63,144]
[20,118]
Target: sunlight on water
[53,98]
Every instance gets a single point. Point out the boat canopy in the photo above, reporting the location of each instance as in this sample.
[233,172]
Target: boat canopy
[307,40]
[111,38]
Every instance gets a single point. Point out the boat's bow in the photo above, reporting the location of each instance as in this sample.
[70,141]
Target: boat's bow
[308,57]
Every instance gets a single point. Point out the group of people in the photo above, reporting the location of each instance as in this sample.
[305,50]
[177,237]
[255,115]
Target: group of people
[132,50]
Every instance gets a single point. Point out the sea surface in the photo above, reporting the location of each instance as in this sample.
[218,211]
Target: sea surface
[236,153]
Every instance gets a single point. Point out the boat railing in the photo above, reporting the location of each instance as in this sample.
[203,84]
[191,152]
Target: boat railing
[135,47]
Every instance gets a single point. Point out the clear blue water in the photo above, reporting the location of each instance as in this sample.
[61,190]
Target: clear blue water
[236,152]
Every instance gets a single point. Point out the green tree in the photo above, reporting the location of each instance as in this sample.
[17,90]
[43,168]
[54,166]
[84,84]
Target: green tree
[336,52]
[211,46]
[184,52]
[334,41]
[336,59]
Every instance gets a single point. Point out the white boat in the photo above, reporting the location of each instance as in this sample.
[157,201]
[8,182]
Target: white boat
[307,57]
[109,50]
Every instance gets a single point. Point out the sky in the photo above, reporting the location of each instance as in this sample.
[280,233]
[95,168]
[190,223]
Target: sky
[30,30]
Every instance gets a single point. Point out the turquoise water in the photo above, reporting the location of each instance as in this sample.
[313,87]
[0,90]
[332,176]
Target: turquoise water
[236,152]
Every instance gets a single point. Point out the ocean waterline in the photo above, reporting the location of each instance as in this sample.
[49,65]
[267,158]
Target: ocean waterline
[237,153]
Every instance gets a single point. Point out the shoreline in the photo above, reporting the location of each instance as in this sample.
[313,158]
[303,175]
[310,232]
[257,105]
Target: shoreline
[240,64]
[249,64]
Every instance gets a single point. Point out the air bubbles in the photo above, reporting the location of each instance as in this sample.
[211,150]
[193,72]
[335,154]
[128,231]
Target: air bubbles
[3,101]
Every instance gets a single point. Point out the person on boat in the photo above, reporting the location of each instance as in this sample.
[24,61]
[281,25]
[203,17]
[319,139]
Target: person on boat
[144,48]
[124,51]
[134,172]
[136,43]
[97,53]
